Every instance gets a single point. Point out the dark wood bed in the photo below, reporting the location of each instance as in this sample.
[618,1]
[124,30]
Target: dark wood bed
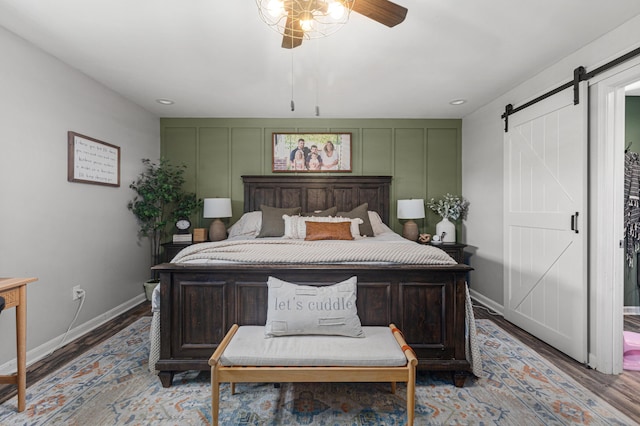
[200,303]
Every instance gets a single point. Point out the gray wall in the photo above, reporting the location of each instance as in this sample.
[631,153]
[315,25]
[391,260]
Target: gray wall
[64,233]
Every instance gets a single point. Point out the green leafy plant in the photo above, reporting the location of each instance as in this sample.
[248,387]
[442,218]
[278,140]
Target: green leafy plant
[160,200]
[449,206]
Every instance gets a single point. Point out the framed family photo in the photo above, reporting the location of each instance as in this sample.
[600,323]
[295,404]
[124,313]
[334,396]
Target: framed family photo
[311,152]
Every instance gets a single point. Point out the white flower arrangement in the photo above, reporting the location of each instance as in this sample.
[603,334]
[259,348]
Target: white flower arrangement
[450,207]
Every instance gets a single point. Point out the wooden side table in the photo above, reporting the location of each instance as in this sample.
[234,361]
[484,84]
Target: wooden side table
[455,250]
[14,291]
[171,249]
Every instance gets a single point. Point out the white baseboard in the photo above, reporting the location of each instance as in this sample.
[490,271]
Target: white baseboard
[36,354]
[631,310]
[499,309]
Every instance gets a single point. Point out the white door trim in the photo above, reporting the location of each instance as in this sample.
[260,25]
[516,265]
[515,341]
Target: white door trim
[606,257]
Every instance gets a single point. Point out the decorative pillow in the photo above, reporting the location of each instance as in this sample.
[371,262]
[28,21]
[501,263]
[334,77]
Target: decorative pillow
[272,222]
[377,224]
[290,226]
[295,226]
[360,212]
[328,231]
[331,211]
[302,309]
[248,225]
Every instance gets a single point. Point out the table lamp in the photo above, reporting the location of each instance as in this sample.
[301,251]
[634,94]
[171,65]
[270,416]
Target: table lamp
[217,208]
[410,209]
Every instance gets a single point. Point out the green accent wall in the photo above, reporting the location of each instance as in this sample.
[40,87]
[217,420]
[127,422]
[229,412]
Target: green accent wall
[423,156]
[632,123]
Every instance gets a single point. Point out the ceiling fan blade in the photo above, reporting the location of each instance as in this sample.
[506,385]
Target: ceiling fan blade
[383,11]
[292,34]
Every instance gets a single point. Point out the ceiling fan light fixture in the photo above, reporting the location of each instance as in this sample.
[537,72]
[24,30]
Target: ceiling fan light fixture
[305,19]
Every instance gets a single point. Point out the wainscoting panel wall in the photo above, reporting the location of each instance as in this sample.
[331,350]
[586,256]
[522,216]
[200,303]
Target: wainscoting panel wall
[423,156]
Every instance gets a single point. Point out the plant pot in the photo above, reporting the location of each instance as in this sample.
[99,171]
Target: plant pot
[149,286]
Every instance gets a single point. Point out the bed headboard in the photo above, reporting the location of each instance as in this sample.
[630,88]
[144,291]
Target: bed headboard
[318,192]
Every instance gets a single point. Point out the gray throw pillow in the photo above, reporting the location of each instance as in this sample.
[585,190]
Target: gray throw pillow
[360,212]
[272,221]
[303,309]
[331,211]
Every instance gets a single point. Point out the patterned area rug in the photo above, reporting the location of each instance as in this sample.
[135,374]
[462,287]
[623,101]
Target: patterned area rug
[111,385]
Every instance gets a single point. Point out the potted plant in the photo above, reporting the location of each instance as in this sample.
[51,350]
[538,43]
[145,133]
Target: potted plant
[160,201]
[448,207]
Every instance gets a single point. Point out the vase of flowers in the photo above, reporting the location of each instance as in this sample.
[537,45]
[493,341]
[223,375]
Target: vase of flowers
[450,207]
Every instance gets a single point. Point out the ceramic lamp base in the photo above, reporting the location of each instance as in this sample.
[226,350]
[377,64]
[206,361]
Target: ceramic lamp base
[410,230]
[217,231]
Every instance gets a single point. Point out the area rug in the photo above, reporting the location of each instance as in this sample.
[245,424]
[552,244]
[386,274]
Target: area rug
[111,385]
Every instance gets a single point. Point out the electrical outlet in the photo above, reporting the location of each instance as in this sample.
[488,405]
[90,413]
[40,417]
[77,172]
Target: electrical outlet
[77,292]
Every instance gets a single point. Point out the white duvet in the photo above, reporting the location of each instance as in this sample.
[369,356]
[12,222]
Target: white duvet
[388,248]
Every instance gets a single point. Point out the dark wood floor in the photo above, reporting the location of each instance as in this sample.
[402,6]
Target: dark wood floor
[621,391]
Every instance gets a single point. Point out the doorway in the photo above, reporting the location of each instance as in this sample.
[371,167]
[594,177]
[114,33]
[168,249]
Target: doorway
[632,158]
[606,190]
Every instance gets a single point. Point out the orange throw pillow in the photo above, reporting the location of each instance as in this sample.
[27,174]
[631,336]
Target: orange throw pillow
[328,231]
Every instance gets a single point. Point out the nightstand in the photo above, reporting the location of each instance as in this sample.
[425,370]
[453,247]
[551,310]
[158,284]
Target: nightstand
[455,250]
[171,249]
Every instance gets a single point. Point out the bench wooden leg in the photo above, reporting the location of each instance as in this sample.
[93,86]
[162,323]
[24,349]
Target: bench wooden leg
[233,388]
[393,387]
[215,397]
[411,396]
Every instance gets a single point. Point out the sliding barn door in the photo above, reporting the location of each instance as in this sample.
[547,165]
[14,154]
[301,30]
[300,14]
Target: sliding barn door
[545,235]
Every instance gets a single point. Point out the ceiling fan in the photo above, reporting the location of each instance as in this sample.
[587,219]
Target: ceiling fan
[302,15]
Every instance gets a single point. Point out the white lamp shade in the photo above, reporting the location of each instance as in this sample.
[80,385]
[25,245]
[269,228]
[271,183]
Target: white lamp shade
[217,207]
[411,209]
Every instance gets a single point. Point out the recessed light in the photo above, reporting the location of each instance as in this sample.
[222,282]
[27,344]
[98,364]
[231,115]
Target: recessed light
[164,101]
[458,101]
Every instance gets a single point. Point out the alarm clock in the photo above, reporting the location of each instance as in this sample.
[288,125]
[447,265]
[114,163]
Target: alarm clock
[183,225]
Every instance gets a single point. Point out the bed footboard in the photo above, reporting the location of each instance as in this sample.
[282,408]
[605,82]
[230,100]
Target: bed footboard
[200,303]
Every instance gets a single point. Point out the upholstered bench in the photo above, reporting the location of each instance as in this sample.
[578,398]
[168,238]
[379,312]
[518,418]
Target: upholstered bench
[245,355]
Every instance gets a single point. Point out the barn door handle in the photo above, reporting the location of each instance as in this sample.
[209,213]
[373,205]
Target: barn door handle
[574,222]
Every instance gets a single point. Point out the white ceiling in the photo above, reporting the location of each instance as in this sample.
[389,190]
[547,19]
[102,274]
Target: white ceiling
[216,58]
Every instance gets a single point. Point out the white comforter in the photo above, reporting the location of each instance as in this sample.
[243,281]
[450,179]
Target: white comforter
[265,251]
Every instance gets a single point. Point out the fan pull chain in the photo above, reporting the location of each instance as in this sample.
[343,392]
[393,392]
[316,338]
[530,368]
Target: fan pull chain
[316,73]
[317,107]
[293,104]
